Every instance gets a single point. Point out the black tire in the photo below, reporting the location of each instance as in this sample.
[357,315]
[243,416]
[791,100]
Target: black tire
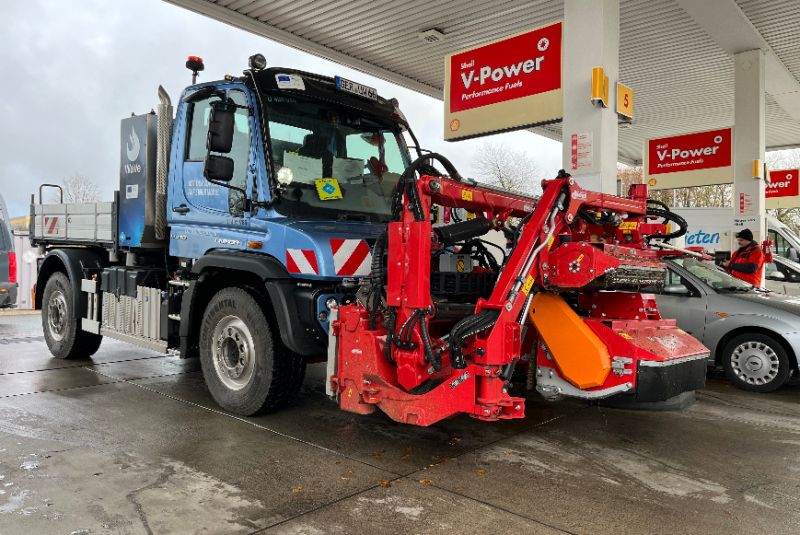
[756,362]
[61,326]
[241,367]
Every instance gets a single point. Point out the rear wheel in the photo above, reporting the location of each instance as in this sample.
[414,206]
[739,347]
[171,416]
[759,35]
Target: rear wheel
[243,364]
[756,362]
[62,331]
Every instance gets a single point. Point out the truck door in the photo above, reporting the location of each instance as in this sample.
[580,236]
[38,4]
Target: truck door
[206,215]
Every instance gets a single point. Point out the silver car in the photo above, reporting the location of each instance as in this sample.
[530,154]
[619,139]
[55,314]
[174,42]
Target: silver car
[783,276]
[752,332]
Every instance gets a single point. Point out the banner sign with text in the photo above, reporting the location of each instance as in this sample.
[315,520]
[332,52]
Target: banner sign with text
[686,160]
[783,189]
[508,84]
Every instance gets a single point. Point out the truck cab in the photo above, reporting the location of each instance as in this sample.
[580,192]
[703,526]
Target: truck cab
[313,168]
[238,225]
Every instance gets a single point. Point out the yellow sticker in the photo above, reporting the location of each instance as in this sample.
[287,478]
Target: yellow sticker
[629,225]
[580,258]
[550,242]
[466,195]
[470,215]
[328,189]
[626,336]
[526,288]
[460,266]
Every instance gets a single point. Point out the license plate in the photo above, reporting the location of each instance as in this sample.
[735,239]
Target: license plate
[348,86]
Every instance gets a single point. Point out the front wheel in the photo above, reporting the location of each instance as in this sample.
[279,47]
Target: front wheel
[241,367]
[756,362]
[61,326]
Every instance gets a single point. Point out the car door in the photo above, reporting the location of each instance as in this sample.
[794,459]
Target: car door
[782,277]
[687,307]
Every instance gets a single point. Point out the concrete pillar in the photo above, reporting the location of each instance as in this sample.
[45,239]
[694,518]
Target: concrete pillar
[748,142]
[591,39]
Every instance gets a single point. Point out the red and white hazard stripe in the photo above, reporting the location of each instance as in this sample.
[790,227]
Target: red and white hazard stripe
[302,261]
[351,257]
[50,225]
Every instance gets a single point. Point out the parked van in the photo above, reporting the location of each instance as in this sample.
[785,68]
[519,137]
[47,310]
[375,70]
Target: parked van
[8,261]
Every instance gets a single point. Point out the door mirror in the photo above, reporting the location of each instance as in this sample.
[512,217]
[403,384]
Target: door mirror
[676,289]
[776,276]
[220,126]
[219,168]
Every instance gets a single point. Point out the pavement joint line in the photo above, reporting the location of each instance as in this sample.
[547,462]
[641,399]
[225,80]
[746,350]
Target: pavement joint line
[115,380]
[248,422]
[318,508]
[509,511]
[56,390]
[729,403]
[72,366]
[419,470]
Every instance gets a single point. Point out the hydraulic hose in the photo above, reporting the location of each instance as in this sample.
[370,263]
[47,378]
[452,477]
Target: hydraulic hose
[406,183]
[659,209]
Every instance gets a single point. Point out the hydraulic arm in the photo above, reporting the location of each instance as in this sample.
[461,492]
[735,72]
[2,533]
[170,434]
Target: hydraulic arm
[566,303]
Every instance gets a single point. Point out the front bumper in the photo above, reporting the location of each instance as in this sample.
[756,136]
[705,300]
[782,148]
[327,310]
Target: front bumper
[8,294]
[659,381]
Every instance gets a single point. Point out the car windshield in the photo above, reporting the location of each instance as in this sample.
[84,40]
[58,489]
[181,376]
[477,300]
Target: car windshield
[332,161]
[712,275]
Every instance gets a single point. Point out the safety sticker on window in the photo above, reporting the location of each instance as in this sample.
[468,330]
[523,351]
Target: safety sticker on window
[290,81]
[328,189]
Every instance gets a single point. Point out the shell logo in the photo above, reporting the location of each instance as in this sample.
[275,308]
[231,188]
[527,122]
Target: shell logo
[652,182]
[455,124]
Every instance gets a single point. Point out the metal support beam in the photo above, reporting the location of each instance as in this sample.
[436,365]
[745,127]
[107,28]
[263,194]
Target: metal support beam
[591,39]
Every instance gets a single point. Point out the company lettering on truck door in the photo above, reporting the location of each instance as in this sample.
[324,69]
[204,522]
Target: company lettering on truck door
[690,152]
[783,183]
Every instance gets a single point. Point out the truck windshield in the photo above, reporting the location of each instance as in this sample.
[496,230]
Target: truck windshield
[333,161]
[712,275]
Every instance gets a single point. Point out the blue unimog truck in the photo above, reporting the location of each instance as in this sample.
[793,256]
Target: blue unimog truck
[237,226]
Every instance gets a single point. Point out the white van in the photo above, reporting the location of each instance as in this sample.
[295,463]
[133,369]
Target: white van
[712,229]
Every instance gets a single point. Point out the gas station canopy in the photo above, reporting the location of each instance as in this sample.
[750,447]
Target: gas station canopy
[676,54]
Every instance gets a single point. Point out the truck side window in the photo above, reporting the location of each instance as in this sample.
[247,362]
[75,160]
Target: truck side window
[240,150]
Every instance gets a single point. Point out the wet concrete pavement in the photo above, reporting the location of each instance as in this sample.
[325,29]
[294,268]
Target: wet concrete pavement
[131,442]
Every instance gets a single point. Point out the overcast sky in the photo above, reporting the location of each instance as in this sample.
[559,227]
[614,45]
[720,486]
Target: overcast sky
[73,68]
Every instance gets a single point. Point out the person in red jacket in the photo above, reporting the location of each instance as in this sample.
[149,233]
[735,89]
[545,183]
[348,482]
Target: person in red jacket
[747,262]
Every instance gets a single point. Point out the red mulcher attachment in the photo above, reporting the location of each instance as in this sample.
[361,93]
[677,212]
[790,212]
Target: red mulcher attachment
[422,344]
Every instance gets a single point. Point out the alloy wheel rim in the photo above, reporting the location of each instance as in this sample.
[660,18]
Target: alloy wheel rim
[755,363]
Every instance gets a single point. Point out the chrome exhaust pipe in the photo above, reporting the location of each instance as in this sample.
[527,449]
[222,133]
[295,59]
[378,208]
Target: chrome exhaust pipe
[164,143]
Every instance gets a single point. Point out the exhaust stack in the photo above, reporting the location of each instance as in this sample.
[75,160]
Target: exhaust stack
[164,142]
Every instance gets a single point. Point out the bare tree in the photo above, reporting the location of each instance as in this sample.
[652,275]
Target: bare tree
[78,188]
[508,169]
[714,196]
[720,195]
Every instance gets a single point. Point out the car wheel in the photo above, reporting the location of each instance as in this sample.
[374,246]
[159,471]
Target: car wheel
[756,362]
